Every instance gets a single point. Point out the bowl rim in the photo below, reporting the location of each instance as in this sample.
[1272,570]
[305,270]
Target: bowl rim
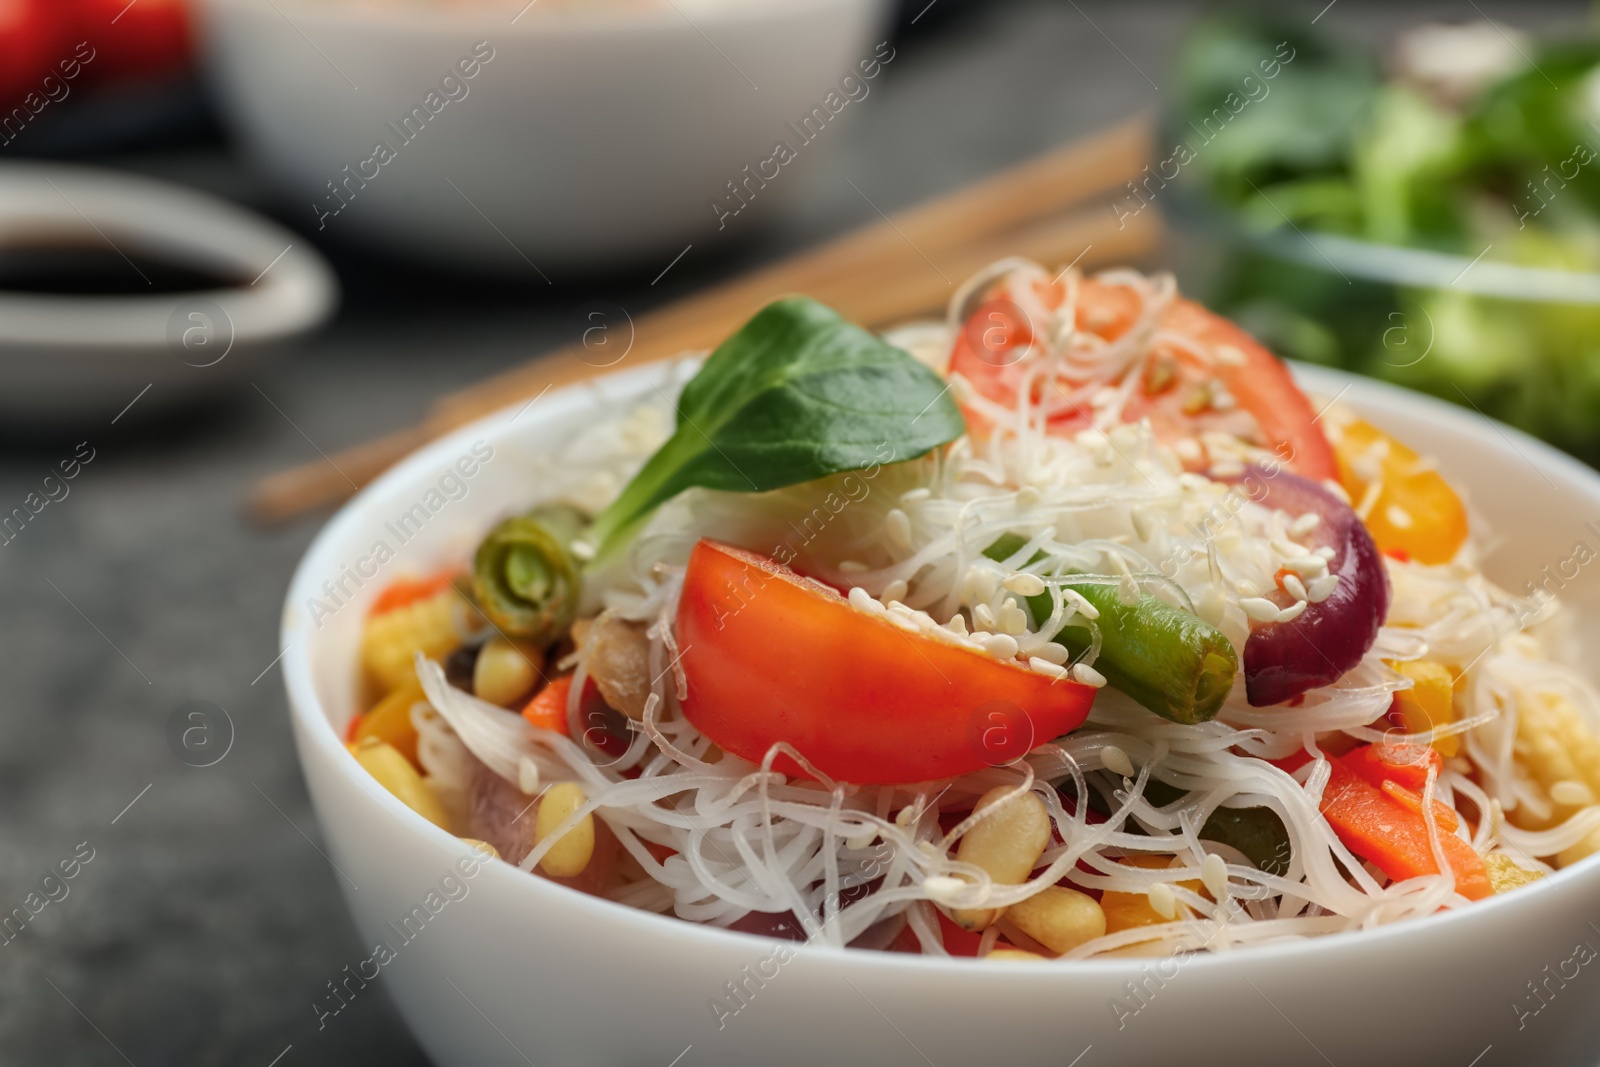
[291,294]
[316,729]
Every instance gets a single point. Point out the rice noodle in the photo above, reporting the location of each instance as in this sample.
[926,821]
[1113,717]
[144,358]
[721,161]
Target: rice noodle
[1109,501]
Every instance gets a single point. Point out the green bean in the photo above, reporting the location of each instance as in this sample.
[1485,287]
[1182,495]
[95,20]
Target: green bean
[1169,660]
[524,576]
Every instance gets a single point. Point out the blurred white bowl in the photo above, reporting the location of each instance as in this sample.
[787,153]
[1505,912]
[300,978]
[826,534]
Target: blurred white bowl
[66,356]
[523,970]
[596,133]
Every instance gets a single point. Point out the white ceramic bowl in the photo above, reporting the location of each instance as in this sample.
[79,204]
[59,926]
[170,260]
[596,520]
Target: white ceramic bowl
[522,970]
[594,134]
[67,357]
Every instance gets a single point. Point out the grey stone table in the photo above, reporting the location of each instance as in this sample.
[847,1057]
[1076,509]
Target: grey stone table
[205,921]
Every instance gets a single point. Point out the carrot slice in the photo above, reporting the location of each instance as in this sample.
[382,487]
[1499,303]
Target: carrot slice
[548,708]
[410,590]
[1392,836]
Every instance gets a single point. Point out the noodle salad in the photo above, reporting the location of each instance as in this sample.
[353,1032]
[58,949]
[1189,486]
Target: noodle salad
[1068,627]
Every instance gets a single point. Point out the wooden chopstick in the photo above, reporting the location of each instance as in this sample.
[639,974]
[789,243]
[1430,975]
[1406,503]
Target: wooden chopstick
[879,275]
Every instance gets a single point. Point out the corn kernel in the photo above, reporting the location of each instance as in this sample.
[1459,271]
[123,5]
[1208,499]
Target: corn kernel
[396,774]
[571,854]
[391,640]
[505,671]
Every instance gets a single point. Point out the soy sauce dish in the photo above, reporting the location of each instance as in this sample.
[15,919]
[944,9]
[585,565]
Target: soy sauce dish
[1064,682]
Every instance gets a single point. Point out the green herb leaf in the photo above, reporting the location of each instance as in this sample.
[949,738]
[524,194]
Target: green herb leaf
[797,394]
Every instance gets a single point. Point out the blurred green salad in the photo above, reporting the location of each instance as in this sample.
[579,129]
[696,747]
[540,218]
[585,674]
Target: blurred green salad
[1430,216]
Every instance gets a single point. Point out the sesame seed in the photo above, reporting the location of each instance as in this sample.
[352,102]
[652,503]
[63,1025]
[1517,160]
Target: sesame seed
[527,776]
[1326,553]
[1028,496]
[1087,675]
[1125,437]
[863,602]
[1116,761]
[1322,588]
[851,566]
[942,887]
[1143,524]
[1308,567]
[983,617]
[1293,611]
[898,526]
[895,590]
[1572,793]
[1163,901]
[1304,524]
[1248,588]
[1044,666]
[1001,646]
[862,840]
[1214,873]
[957,623]
[911,496]
[1229,355]
[1023,583]
[1398,517]
[1051,652]
[1013,620]
[1188,450]
[1081,605]
[1294,586]
[1222,400]
[1227,468]
[1259,608]
[1336,489]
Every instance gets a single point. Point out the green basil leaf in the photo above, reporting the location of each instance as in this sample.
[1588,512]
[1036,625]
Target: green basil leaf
[797,394]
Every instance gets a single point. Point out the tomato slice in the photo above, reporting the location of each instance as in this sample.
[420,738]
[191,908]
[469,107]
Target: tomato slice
[1179,392]
[770,656]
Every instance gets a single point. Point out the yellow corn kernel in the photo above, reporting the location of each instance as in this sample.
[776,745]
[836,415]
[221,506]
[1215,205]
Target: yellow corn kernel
[396,774]
[571,854]
[1581,851]
[1007,843]
[1124,911]
[389,721]
[1555,745]
[505,671]
[1506,874]
[1430,702]
[390,641]
[1059,918]
[482,847]
[1016,954]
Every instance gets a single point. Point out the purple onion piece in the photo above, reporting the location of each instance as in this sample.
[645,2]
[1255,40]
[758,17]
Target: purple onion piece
[1283,660]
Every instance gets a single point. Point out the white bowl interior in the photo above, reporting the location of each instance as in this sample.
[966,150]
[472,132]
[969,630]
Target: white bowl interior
[564,978]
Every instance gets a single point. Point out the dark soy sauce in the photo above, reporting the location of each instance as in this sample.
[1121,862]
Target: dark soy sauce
[84,269]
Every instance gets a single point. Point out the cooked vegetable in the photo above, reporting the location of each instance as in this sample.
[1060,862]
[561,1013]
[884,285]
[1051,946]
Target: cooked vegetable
[1561,755]
[1058,918]
[1429,703]
[505,671]
[618,657]
[1169,660]
[1219,379]
[1506,874]
[1156,903]
[389,721]
[1007,843]
[1257,832]
[432,625]
[1413,511]
[396,774]
[865,701]
[524,575]
[548,709]
[572,851]
[798,393]
[1392,835]
[1284,658]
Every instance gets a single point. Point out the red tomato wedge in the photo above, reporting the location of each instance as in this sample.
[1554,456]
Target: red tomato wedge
[770,656]
[1268,409]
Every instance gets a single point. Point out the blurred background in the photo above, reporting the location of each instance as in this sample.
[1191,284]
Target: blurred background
[238,236]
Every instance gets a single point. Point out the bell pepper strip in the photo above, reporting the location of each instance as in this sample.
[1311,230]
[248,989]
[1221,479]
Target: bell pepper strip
[405,591]
[389,720]
[1414,514]
[1171,661]
[771,656]
[1429,703]
[548,708]
[1394,837]
[1283,660]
